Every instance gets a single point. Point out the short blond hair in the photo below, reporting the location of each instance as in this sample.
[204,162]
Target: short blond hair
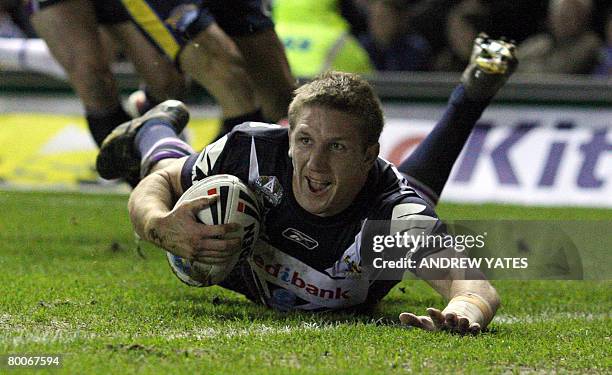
[346,92]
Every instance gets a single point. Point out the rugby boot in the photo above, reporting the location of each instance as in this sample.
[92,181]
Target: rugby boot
[118,156]
[491,64]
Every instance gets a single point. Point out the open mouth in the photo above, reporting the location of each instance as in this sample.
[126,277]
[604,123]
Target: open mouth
[317,187]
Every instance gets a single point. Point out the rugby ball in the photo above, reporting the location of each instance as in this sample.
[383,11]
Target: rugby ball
[236,204]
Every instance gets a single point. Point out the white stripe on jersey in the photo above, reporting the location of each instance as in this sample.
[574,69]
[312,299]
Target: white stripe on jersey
[208,157]
[253,164]
[403,210]
[401,180]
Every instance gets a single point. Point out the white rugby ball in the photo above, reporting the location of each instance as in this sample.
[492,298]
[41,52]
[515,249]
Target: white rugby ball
[236,204]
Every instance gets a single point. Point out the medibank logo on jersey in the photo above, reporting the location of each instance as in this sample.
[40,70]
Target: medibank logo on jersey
[292,277]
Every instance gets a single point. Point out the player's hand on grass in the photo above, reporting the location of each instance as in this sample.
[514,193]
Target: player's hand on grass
[437,320]
[183,234]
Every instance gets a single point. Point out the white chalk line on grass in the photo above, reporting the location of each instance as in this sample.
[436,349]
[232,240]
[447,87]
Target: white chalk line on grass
[19,331]
[15,332]
[252,330]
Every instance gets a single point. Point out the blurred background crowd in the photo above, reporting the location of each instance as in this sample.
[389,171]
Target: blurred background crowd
[363,36]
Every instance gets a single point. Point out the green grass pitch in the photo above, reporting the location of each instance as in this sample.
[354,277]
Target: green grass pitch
[74,283]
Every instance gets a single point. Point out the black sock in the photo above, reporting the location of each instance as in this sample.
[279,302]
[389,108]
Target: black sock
[432,161]
[229,123]
[102,123]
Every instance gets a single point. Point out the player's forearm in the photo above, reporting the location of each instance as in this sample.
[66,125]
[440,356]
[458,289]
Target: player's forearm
[151,199]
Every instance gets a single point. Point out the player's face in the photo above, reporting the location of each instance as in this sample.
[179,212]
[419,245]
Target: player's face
[330,160]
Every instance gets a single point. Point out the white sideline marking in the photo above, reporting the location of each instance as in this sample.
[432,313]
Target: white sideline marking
[15,332]
[253,330]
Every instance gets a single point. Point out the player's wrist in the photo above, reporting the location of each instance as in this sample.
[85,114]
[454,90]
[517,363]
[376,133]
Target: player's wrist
[151,229]
[472,306]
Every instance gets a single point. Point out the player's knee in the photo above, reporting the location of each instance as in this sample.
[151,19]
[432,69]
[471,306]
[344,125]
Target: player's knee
[227,66]
[221,64]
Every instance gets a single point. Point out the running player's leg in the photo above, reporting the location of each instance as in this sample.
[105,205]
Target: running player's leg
[429,166]
[214,61]
[249,24]
[192,39]
[163,80]
[71,31]
[269,69]
[158,72]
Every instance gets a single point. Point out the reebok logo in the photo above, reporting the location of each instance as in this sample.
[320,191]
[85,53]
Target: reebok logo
[301,238]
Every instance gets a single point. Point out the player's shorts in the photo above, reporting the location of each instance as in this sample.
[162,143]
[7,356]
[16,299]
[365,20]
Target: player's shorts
[171,24]
[108,12]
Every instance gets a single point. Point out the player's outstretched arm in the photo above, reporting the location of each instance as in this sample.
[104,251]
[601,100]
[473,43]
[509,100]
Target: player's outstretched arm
[176,229]
[472,301]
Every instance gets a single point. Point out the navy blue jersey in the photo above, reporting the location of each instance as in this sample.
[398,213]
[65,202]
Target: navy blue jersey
[302,260]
